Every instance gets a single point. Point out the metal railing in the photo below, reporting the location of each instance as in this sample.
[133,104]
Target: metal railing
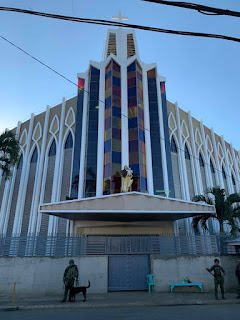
[113,245]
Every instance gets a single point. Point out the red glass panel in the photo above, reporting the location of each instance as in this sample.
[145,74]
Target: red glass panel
[81,82]
[108,113]
[162,85]
[131,82]
[151,73]
[116,67]
[133,134]
[133,157]
[116,91]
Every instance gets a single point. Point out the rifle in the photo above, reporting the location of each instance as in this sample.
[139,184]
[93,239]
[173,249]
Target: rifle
[208,270]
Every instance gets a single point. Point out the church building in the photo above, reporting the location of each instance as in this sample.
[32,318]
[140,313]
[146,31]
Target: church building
[70,178]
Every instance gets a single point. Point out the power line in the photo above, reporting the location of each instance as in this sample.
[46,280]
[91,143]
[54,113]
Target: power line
[120,24]
[104,103]
[198,7]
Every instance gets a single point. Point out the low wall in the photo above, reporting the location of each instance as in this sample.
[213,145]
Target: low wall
[43,276]
[171,269]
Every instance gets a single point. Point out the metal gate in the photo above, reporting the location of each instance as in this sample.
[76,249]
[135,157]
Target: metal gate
[128,272]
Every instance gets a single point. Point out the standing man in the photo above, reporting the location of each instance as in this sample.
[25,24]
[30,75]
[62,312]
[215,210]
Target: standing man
[237,272]
[69,276]
[218,278]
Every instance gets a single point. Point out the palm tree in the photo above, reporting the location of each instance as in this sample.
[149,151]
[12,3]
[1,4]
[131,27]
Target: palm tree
[9,152]
[225,211]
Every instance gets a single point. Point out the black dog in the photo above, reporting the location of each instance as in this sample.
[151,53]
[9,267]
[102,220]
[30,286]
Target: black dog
[75,290]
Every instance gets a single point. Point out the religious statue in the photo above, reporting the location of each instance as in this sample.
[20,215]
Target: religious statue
[127,179]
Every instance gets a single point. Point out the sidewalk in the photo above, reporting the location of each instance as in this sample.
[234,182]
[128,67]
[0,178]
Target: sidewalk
[119,299]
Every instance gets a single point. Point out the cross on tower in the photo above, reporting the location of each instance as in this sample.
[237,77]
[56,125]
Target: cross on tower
[119,17]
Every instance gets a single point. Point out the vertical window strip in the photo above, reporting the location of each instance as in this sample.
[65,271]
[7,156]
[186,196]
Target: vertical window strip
[92,134]
[112,133]
[137,151]
[158,183]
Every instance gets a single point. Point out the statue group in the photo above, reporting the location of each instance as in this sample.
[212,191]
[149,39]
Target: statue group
[127,179]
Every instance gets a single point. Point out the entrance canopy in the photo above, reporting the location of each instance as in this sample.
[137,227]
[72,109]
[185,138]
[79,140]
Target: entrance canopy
[126,207]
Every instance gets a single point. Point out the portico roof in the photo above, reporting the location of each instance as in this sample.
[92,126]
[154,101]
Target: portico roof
[125,207]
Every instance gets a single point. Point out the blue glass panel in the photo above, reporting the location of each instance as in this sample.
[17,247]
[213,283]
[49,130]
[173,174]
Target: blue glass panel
[132,123]
[116,112]
[95,71]
[135,169]
[132,92]
[116,82]
[116,157]
[107,146]
[132,67]
[143,182]
[108,102]
[108,75]
[141,135]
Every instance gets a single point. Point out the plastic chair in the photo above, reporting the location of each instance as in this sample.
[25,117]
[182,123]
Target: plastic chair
[150,282]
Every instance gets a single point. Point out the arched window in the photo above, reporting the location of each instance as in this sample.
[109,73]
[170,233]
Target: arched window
[203,175]
[20,162]
[189,172]
[69,142]
[213,174]
[224,180]
[175,169]
[234,184]
[34,156]
[52,151]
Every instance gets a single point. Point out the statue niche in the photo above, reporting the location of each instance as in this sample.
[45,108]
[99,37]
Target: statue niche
[127,179]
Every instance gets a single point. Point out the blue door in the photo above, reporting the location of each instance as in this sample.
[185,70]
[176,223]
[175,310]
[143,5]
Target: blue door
[128,272]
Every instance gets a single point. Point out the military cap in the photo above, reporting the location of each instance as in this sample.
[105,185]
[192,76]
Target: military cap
[71,261]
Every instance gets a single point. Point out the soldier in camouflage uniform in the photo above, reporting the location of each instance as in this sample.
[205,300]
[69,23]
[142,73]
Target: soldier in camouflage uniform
[237,272]
[218,278]
[70,274]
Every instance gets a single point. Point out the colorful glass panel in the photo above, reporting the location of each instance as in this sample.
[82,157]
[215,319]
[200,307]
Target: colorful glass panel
[112,134]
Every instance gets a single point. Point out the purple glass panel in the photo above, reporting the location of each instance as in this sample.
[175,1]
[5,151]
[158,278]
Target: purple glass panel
[116,133]
[107,123]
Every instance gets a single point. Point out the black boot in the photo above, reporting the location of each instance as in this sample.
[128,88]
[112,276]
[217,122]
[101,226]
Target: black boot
[64,300]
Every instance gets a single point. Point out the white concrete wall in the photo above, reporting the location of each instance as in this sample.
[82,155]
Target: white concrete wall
[171,269]
[43,276]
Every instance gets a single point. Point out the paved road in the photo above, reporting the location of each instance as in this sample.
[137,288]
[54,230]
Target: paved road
[231,312]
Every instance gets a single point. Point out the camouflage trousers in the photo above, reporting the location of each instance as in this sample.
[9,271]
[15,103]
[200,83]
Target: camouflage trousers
[68,284]
[219,281]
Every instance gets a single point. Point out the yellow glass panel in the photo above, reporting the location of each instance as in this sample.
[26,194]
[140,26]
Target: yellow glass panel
[116,145]
[132,112]
[116,122]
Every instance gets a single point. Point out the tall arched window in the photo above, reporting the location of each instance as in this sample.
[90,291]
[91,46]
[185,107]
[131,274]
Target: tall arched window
[213,174]
[29,193]
[203,174]
[225,180]
[175,169]
[50,162]
[66,179]
[189,172]
[234,184]
[14,197]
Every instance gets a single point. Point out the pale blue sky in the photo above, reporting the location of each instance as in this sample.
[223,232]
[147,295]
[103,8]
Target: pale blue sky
[202,74]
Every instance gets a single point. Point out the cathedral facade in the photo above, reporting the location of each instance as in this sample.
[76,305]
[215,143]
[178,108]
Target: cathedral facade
[69,176]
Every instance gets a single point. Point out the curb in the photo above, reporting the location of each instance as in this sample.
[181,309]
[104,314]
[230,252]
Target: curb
[113,305]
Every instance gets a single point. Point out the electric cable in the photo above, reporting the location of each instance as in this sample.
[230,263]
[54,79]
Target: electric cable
[120,24]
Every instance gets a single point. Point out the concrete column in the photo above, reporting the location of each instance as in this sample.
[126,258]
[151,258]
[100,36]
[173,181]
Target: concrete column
[23,182]
[83,140]
[236,169]
[183,173]
[101,123]
[207,165]
[8,191]
[228,171]
[218,169]
[147,132]
[162,138]
[124,116]
[39,173]
[197,180]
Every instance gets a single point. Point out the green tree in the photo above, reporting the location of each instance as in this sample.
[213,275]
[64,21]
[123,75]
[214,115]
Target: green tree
[225,211]
[9,152]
